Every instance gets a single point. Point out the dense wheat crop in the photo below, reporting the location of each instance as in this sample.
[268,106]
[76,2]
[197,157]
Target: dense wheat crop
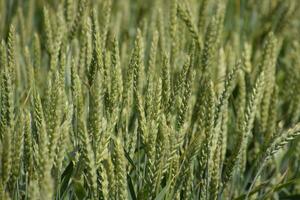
[149,99]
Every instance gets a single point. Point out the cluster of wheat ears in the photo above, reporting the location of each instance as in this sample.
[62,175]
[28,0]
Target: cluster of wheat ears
[149,99]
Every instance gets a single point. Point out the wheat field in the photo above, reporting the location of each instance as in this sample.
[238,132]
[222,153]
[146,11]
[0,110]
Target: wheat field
[149,99]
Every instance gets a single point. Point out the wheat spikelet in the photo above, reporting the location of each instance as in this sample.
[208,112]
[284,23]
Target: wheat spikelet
[185,15]
[61,147]
[153,54]
[107,4]
[43,140]
[87,152]
[54,114]
[95,114]
[48,30]
[109,169]
[272,116]
[161,153]
[28,148]
[116,77]
[268,66]
[247,125]
[202,18]
[209,48]
[137,61]
[280,141]
[215,174]
[150,145]
[6,157]
[132,71]
[3,56]
[222,101]
[11,54]
[82,6]
[120,171]
[166,85]
[69,11]
[44,168]
[7,124]
[17,150]
[180,81]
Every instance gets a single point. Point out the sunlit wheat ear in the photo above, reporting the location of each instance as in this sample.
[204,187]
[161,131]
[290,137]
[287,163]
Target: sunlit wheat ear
[281,140]
[3,55]
[109,169]
[29,68]
[153,54]
[17,150]
[54,114]
[268,66]
[152,135]
[151,74]
[246,57]
[89,159]
[180,81]
[223,138]
[209,48]
[86,150]
[241,85]
[48,30]
[215,175]
[142,124]
[220,16]
[28,144]
[272,117]
[224,96]
[202,18]
[69,11]
[252,106]
[116,77]
[166,84]
[137,62]
[96,65]
[132,75]
[43,140]
[161,153]
[87,29]
[207,126]
[120,170]
[185,15]
[44,168]
[61,147]
[106,15]
[185,99]
[246,128]
[57,42]
[82,6]
[95,114]
[33,190]
[11,54]
[6,156]
[6,124]
[3,79]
